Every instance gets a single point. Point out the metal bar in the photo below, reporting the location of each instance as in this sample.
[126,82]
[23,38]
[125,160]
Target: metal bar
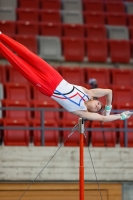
[60,129]
[81,167]
[42,127]
[125,133]
[34,128]
[26,108]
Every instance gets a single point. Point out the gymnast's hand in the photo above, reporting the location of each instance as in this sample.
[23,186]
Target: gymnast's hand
[125,115]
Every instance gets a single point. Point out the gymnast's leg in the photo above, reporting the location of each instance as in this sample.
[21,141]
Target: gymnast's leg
[48,78]
[24,68]
[27,55]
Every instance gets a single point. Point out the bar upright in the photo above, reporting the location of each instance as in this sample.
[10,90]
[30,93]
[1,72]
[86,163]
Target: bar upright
[81,167]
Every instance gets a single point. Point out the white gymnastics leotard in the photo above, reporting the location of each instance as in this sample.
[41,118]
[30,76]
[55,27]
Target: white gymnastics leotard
[69,96]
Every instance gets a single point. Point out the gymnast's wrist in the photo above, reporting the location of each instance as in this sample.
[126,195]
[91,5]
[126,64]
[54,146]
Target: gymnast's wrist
[108,108]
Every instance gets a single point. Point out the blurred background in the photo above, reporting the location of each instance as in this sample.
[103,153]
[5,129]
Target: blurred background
[90,43]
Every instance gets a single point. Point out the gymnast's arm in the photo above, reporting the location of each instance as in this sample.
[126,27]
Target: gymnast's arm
[96,116]
[99,92]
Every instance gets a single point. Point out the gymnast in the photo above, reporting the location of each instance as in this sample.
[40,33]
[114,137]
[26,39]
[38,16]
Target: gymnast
[75,99]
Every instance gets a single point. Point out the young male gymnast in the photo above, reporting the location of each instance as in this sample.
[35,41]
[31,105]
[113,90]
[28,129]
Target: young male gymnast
[75,99]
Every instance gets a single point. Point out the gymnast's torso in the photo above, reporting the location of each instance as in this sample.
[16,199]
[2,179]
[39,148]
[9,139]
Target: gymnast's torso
[69,96]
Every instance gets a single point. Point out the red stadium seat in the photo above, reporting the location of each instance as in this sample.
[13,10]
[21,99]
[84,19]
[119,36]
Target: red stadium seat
[27,28]
[8,27]
[131,33]
[131,42]
[119,51]
[115,6]
[50,114]
[129,134]
[93,6]
[26,14]
[119,19]
[122,94]
[50,16]
[17,114]
[51,29]
[122,77]
[51,5]
[73,75]
[74,139]
[29,3]
[51,137]
[17,91]
[94,18]
[73,49]
[94,53]
[16,137]
[100,74]
[1,55]
[101,138]
[3,74]
[69,116]
[125,106]
[29,41]
[130,19]
[15,76]
[73,30]
[96,32]
[113,0]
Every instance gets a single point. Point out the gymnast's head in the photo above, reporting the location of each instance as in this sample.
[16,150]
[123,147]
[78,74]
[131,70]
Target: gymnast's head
[94,105]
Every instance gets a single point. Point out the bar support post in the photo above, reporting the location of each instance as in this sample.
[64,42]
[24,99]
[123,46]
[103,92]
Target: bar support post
[81,167]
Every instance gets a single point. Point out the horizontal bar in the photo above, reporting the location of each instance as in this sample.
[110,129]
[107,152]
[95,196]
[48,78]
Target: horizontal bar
[61,128]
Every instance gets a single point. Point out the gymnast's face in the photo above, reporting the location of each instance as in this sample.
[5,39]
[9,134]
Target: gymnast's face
[93,105]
